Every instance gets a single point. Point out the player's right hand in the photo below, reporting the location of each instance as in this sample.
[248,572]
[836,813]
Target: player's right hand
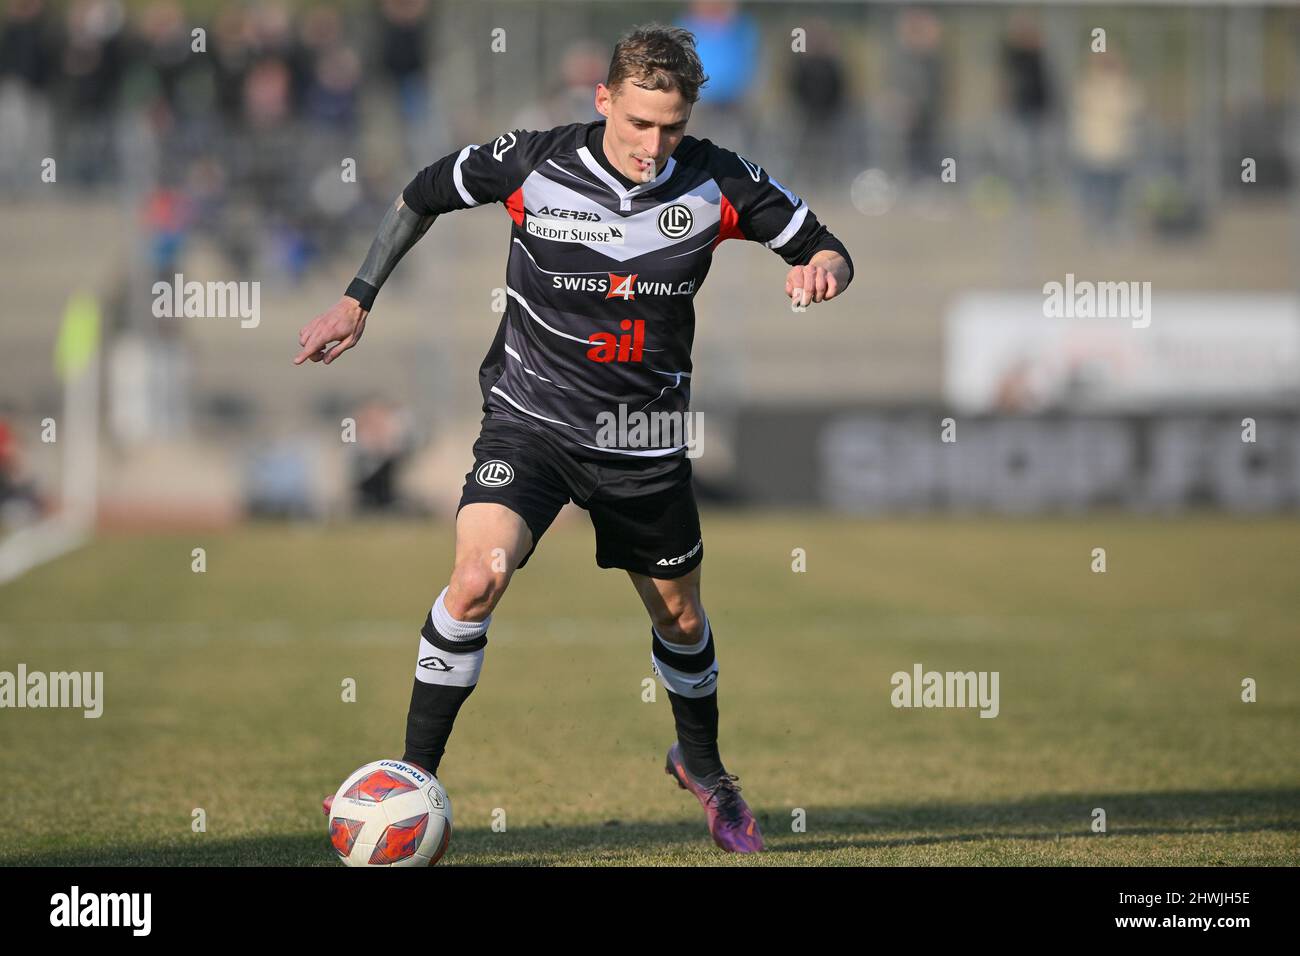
[332,333]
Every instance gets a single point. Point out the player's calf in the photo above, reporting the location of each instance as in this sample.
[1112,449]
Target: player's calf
[673,605]
[681,624]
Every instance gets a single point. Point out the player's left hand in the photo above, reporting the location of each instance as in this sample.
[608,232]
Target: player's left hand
[333,332]
[810,283]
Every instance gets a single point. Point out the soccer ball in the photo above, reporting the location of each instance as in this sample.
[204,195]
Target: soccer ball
[390,813]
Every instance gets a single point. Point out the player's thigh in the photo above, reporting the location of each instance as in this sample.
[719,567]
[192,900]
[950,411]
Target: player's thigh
[491,541]
[492,533]
[510,497]
[673,604]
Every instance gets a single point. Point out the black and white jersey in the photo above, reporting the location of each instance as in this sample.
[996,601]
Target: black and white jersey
[603,272]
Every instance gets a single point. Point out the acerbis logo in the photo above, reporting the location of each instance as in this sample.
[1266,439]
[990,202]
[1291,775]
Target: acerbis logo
[494,474]
[504,143]
[706,680]
[676,221]
[670,562]
[558,213]
[436,664]
[755,171]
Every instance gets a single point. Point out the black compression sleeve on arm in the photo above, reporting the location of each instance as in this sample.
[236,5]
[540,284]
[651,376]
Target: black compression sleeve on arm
[400,229]
[363,292]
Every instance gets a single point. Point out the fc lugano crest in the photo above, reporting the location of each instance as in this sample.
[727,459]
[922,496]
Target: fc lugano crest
[494,474]
[676,221]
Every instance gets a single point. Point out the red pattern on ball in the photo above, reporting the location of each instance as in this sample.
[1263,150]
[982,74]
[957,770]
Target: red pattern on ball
[400,840]
[344,833]
[377,786]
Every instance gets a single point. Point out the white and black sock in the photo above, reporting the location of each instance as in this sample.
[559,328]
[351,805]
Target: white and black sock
[446,673]
[690,675]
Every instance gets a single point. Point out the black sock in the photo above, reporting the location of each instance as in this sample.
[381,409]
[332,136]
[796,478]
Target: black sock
[697,733]
[446,673]
[695,714]
[429,721]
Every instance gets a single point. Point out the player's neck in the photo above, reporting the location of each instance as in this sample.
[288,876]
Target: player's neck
[605,156]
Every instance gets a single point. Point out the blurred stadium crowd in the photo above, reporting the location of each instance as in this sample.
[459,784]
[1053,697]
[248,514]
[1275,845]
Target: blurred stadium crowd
[222,142]
[208,137]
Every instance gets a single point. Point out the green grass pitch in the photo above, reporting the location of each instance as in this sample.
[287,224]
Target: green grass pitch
[1122,690]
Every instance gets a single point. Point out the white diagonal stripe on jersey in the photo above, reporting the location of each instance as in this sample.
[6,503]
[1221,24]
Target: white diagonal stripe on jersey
[541,192]
[678,255]
[678,381]
[553,272]
[624,194]
[536,318]
[567,172]
[589,161]
[651,453]
[788,232]
[515,355]
[459,180]
[555,421]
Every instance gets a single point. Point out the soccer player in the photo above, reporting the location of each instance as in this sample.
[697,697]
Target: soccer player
[614,224]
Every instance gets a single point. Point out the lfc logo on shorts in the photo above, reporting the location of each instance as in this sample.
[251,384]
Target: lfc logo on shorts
[494,474]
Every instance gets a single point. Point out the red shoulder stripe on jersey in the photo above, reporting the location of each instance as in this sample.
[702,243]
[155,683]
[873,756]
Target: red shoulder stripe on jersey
[515,206]
[729,227]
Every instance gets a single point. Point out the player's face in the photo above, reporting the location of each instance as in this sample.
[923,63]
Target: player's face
[642,128]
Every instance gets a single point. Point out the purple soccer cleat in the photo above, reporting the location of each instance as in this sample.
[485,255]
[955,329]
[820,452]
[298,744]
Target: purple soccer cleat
[730,821]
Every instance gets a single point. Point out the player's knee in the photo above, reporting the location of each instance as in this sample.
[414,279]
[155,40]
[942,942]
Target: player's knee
[474,591]
[680,623]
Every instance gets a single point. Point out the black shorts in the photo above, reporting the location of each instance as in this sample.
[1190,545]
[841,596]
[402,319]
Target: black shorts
[655,533]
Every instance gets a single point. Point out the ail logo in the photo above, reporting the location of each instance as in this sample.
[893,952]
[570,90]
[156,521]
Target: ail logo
[608,347]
